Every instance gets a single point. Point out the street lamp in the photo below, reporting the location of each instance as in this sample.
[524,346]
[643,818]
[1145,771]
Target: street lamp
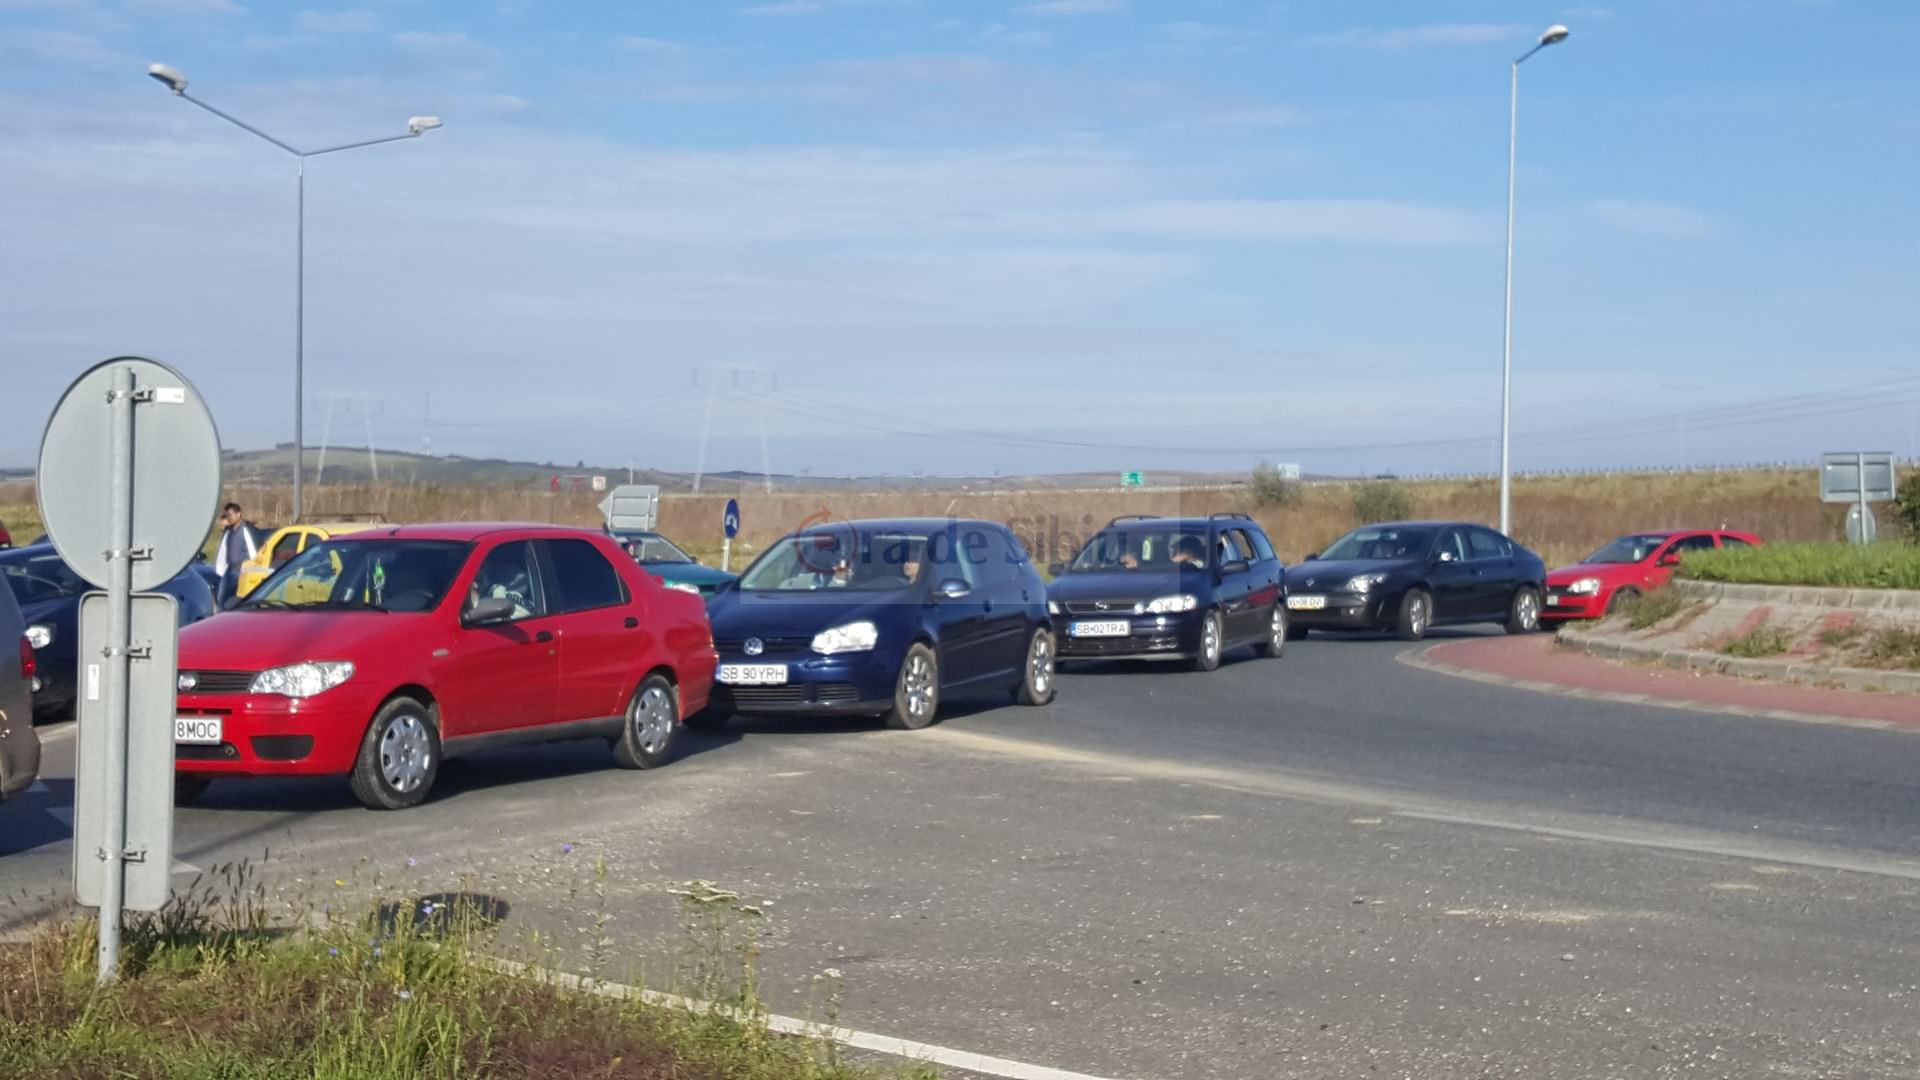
[1555,35]
[173,80]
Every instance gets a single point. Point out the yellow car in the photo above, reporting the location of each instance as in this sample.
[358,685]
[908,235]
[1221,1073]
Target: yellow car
[290,540]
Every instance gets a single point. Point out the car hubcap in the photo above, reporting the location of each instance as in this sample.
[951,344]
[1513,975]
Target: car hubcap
[919,680]
[1278,631]
[1042,661]
[405,753]
[1210,642]
[1529,610]
[1418,617]
[652,720]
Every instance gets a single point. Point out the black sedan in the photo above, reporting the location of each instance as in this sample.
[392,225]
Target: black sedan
[1410,576]
[48,592]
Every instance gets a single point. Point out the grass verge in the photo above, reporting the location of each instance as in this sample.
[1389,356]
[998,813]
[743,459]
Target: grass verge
[1849,566]
[1895,647]
[405,994]
[1758,643]
[1651,609]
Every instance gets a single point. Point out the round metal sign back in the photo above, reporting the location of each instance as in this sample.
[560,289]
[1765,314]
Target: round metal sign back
[176,472]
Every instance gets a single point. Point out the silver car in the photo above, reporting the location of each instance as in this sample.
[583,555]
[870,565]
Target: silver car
[19,746]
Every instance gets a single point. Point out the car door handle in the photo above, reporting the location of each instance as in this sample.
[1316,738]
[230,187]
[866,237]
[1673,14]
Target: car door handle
[632,623]
[543,636]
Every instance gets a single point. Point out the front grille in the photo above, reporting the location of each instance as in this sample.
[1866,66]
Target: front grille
[773,646]
[1118,646]
[219,682]
[226,751]
[282,747]
[793,695]
[1101,607]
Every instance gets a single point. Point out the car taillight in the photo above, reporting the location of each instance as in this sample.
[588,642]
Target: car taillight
[27,662]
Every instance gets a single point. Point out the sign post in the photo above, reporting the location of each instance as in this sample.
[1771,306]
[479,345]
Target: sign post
[631,508]
[729,524]
[1859,478]
[138,431]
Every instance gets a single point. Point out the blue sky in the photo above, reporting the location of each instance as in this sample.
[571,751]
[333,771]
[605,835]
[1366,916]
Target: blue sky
[966,237]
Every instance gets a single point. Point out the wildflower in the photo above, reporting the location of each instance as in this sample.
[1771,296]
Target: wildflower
[333,952]
[377,951]
[410,862]
[406,995]
[566,849]
[339,883]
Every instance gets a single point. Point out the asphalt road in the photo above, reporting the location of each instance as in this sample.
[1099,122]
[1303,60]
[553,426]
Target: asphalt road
[1326,865]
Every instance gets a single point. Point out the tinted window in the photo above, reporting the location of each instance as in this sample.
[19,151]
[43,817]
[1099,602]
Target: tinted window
[372,575]
[507,574]
[1143,544]
[42,577]
[1487,544]
[1733,542]
[1381,542]
[1260,545]
[584,578]
[1236,545]
[286,548]
[1692,543]
[1452,543]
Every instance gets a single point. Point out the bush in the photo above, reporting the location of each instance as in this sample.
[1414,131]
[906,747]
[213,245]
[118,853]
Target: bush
[1906,512]
[1381,500]
[1846,566]
[1271,487]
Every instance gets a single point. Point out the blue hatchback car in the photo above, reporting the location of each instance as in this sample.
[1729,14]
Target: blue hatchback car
[881,618]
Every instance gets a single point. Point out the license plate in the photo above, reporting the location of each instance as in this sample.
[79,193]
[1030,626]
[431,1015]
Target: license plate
[1555,598]
[753,674]
[197,730]
[1104,628]
[1306,603]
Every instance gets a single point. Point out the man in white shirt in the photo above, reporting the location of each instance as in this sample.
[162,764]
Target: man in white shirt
[238,543]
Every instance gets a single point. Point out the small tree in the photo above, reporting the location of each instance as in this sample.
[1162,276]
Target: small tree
[1272,488]
[1381,500]
[1906,511]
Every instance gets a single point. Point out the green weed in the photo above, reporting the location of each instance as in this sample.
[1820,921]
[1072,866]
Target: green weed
[1651,609]
[1761,641]
[1896,647]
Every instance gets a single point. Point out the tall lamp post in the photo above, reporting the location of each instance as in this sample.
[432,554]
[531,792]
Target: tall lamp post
[1555,35]
[173,80]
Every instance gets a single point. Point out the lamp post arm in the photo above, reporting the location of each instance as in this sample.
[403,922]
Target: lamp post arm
[358,145]
[239,123]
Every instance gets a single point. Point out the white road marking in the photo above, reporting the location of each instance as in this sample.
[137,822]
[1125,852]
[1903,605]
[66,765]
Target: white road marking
[984,1064]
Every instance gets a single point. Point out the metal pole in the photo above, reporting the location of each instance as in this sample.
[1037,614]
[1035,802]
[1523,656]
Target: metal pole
[299,336]
[1506,364]
[726,555]
[706,432]
[119,642]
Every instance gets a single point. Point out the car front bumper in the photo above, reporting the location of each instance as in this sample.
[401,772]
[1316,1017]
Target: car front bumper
[1148,637]
[269,735]
[1343,611]
[1562,605]
[849,684]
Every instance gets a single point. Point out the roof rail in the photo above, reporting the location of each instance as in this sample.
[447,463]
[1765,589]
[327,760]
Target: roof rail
[1229,515]
[1134,517]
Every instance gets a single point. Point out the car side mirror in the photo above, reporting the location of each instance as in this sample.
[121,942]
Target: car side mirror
[1443,557]
[1669,559]
[1237,566]
[488,611]
[1056,569]
[1310,556]
[952,589]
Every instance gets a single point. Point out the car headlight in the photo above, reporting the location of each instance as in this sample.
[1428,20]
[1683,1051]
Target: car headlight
[1053,607]
[1586,586]
[302,680]
[39,636]
[684,587]
[1167,605]
[853,637]
[1364,582]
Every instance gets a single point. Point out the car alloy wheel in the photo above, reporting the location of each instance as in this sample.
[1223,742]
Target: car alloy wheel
[916,697]
[919,685]
[1209,656]
[1277,633]
[406,753]
[1416,614]
[1036,683]
[1525,617]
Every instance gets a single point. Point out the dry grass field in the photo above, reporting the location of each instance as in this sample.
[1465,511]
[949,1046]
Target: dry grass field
[1561,517]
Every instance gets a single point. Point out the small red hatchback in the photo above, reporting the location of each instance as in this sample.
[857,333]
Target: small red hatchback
[377,654]
[1625,569]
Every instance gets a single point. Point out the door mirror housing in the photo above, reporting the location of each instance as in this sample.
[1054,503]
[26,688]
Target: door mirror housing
[1444,557]
[488,611]
[1056,569]
[1310,556]
[952,589]
[1237,566]
[1671,558]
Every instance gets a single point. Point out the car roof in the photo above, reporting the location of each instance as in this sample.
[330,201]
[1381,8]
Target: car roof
[903,524]
[469,531]
[333,528]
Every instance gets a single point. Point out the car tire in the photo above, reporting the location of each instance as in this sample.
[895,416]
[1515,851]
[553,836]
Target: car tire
[1279,632]
[1211,644]
[1523,615]
[710,719]
[188,789]
[646,734]
[1621,600]
[1036,678]
[1416,615]
[399,757]
[916,691]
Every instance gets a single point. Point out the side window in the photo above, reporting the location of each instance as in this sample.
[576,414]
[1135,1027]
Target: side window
[1238,546]
[1260,545]
[287,548]
[507,573]
[1692,543]
[1732,541]
[1487,544]
[584,578]
[1451,544]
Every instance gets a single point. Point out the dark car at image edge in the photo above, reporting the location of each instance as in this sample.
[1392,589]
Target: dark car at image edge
[1410,576]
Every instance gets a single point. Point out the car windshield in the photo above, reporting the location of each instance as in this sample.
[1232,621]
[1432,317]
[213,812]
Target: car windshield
[1382,542]
[649,548]
[1628,549]
[873,561]
[1147,545]
[363,575]
[40,577]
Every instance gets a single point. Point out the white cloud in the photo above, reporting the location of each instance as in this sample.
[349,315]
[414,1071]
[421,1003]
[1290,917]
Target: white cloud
[58,47]
[1411,37]
[1002,34]
[1649,218]
[1587,14]
[1074,7]
[186,7]
[1370,221]
[1263,116]
[452,45]
[641,43]
[788,7]
[349,21]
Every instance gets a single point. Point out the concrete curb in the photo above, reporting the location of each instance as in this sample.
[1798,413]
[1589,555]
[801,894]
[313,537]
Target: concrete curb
[1418,658]
[1903,600]
[1791,671]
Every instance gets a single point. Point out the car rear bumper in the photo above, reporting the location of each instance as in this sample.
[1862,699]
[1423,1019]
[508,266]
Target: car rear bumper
[1150,637]
[852,684]
[268,735]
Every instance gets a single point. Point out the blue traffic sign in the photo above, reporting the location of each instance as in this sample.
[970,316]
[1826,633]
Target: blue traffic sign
[730,520]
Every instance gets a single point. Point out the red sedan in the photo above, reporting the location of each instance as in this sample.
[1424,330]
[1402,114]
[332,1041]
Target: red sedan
[376,655]
[1625,569]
